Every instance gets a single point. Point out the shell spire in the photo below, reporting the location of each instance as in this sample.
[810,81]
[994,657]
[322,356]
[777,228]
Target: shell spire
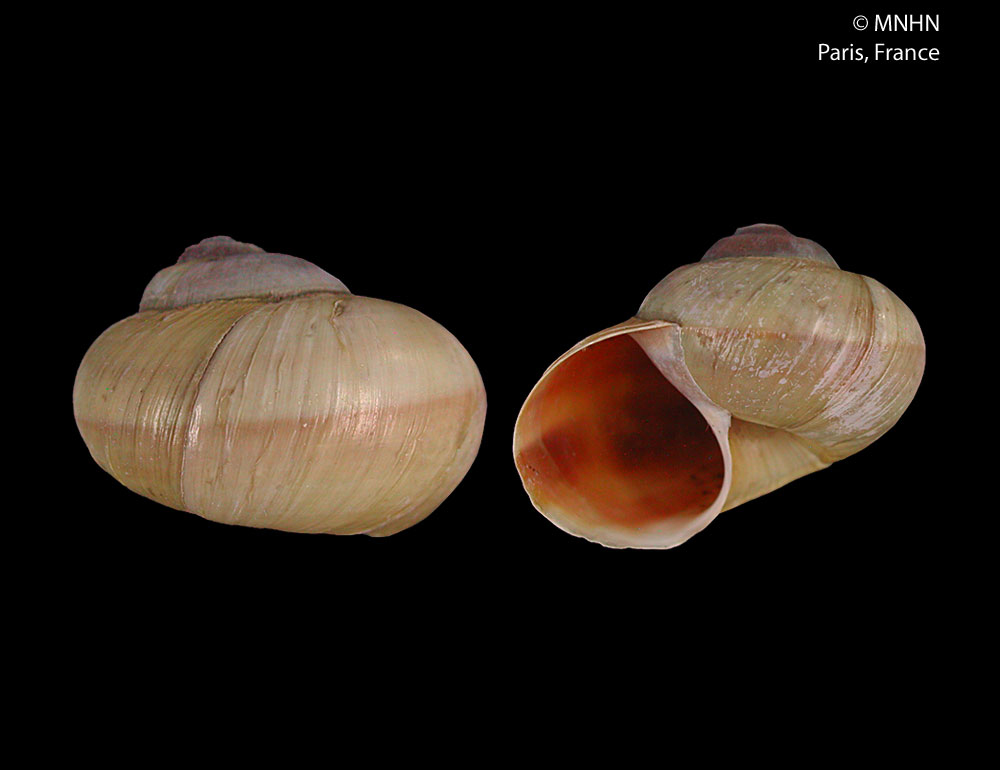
[223,268]
[767,241]
[218,247]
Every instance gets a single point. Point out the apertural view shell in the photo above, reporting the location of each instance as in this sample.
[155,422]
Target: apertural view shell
[740,373]
[254,389]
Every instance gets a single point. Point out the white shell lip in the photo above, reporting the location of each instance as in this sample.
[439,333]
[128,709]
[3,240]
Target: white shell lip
[223,268]
[661,342]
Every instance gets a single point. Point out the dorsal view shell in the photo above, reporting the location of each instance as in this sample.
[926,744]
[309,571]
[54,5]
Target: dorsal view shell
[757,365]
[255,389]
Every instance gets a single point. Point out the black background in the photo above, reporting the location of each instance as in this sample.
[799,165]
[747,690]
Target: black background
[524,180]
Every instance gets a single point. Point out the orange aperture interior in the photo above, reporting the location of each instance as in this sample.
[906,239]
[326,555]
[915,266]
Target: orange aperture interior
[606,438]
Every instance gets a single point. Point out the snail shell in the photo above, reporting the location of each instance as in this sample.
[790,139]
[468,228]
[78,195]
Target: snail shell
[255,389]
[757,365]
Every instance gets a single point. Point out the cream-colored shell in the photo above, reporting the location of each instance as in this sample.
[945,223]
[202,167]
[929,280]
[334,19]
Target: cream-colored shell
[831,356]
[324,412]
[792,362]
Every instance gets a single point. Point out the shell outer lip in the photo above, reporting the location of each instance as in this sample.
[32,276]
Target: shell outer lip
[668,357]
